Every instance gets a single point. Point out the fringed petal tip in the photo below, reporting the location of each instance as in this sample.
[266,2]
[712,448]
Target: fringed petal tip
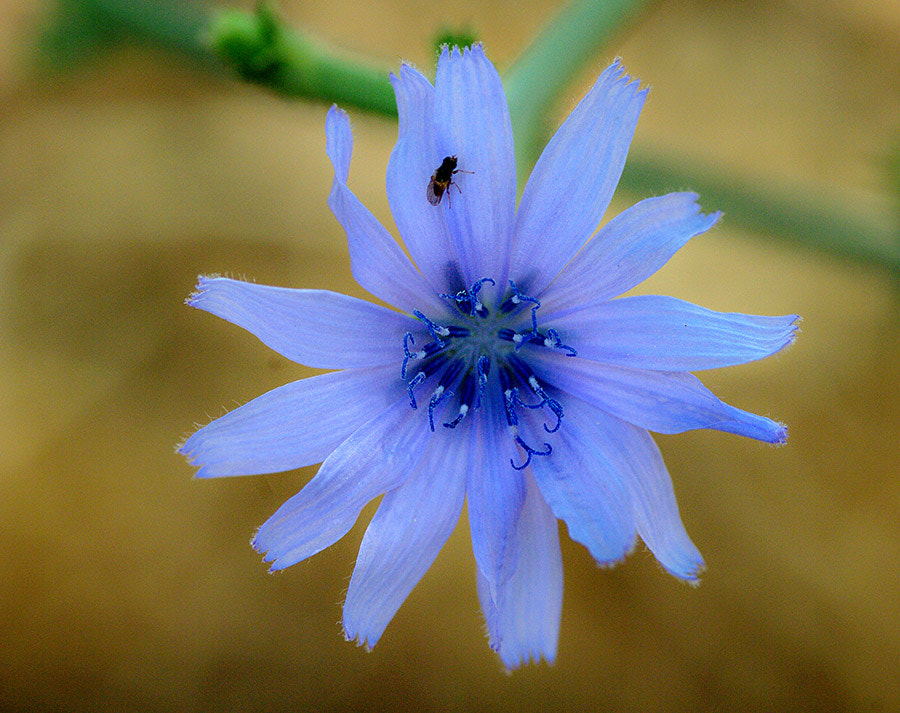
[339,142]
[616,560]
[189,448]
[406,67]
[187,451]
[793,329]
[362,643]
[528,658]
[268,556]
[448,51]
[617,67]
[779,434]
[512,659]
[686,566]
[690,573]
[201,288]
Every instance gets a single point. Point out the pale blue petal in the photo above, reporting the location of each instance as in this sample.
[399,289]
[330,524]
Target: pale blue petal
[577,484]
[661,401]
[295,425]
[472,122]
[404,537]
[627,250]
[523,621]
[377,262]
[377,457]
[628,453]
[317,328]
[495,495]
[574,179]
[413,160]
[667,334]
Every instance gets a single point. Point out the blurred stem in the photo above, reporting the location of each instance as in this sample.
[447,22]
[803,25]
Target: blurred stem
[543,70]
[261,48]
[264,50]
[80,27]
[793,216]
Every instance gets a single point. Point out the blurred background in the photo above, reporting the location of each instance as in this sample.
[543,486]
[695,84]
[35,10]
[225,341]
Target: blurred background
[127,585]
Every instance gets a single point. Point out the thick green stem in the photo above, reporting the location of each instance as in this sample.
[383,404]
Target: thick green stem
[262,49]
[80,27]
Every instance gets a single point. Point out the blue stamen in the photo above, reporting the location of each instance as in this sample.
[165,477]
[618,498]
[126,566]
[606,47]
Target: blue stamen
[436,330]
[483,368]
[466,381]
[510,397]
[463,410]
[467,300]
[519,367]
[557,343]
[439,395]
[416,380]
[517,299]
[407,355]
[524,373]
[467,392]
[529,452]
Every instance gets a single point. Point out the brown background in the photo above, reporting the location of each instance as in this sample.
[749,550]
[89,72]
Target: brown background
[126,585]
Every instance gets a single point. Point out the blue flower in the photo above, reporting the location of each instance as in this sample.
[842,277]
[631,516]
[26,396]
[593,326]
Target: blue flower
[508,378]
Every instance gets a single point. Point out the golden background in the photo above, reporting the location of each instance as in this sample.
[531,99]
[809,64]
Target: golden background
[127,585]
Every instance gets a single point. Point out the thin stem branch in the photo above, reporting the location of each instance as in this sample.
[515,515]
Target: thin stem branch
[542,72]
[798,216]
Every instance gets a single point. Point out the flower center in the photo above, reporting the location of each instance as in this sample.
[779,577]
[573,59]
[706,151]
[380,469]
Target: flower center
[476,344]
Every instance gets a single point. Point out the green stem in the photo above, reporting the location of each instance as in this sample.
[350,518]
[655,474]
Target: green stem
[83,25]
[799,216]
[543,70]
[294,64]
[262,49]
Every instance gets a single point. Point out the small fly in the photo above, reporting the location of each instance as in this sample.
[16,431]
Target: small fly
[442,179]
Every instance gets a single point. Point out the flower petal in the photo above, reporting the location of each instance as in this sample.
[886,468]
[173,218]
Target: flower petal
[404,537]
[377,262]
[634,459]
[667,334]
[661,401]
[317,328]
[574,179]
[523,621]
[495,495]
[472,122]
[413,160]
[295,425]
[627,250]
[376,458]
[575,481]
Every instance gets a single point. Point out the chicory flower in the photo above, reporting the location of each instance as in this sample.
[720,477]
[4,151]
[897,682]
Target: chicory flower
[507,378]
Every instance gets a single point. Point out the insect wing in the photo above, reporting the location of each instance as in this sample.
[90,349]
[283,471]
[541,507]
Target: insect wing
[434,192]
